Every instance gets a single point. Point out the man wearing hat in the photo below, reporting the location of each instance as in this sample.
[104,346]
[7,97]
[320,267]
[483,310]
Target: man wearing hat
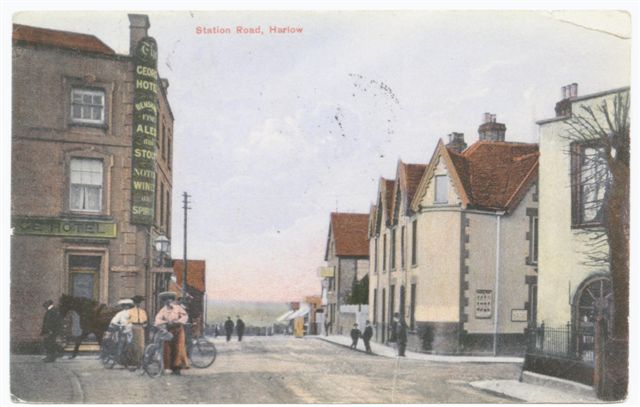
[51,329]
[173,316]
[139,322]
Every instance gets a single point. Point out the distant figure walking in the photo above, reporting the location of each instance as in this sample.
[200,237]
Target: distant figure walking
[51,329]
[366,336]
[228,328]
[355,334]
[239,328]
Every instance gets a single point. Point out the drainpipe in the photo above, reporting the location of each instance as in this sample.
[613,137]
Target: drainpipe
[497,285]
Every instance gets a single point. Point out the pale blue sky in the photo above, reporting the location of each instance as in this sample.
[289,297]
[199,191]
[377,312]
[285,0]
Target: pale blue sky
[257,143]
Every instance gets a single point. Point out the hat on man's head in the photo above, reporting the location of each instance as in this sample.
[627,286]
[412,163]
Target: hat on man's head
[126,302]
[137,299]
[167,295]
[47,303]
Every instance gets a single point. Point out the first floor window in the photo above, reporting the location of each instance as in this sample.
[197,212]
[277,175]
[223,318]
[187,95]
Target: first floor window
[414,242]
[412,311]
[590,183]
[483,303]
[87,106]
[86,185]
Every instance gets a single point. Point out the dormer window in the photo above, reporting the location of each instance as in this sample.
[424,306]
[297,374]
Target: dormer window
[442,189]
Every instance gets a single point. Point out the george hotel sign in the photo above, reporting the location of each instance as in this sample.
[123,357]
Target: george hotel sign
[27,225]
[145,132]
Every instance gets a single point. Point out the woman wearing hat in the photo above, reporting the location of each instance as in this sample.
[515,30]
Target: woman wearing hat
[173,316]
[139,322]
[123,319]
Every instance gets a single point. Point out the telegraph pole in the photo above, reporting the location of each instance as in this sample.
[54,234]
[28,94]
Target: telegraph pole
[185,206]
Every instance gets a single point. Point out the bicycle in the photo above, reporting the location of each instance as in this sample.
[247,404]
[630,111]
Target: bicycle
[200,351]
[153,360]
[117,349]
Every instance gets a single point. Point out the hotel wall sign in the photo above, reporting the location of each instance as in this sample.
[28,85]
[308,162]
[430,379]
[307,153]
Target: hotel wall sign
[27,225]
[145,132]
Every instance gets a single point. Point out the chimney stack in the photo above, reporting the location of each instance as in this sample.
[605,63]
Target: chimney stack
[138,27]
[456,142]
[490,129]
[569,92]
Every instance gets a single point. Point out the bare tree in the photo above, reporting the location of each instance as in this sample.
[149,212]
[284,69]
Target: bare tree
[602,134]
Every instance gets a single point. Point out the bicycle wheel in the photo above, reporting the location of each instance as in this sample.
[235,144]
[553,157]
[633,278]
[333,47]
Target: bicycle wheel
[152,361]
[129,358]
[203,353]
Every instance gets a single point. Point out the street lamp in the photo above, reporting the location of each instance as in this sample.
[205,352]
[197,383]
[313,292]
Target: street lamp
[162,247]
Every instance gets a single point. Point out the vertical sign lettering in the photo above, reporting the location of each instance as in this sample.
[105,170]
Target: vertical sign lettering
[145,131]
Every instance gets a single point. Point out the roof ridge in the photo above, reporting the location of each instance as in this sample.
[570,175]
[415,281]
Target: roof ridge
[60,39]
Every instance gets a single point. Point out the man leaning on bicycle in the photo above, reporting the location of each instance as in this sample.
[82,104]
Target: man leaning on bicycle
[173,316]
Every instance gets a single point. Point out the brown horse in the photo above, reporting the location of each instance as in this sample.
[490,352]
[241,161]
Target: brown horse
[94,317]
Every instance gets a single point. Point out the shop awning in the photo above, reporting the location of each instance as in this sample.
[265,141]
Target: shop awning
[304,310]
[285,316]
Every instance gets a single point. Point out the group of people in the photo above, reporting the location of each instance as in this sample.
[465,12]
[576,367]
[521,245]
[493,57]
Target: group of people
[366,336]
[398,335]
[132,321]
[229,325]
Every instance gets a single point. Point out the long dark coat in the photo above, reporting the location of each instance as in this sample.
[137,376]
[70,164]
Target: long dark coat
[228,326]
[52,323]
[368,333]
[240,326]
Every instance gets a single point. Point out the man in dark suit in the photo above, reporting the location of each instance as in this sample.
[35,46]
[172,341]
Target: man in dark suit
[228,328]
[366,336]
[355,334]
[51,329]
[239,328]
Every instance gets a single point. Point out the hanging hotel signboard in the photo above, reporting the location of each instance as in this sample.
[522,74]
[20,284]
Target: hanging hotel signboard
[145,132]
[28,225]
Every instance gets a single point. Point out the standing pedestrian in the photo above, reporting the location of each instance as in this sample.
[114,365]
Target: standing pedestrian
[139,322]
[51,329]
[228,328]
[393,329]
[239,328]
[402,337]
[173,316]
[355,334]
[366,336]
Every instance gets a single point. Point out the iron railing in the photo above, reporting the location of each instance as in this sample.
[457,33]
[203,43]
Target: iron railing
[563,342]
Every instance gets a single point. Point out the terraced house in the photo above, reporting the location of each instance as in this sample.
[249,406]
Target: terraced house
[468,239]
[347,261]
[391,219]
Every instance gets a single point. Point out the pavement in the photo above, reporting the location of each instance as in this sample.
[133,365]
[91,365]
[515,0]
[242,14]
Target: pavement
[531,388]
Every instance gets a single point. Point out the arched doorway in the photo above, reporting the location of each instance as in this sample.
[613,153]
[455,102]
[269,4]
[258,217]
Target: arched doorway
[593,302]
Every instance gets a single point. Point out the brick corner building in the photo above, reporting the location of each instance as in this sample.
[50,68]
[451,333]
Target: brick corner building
[92,141]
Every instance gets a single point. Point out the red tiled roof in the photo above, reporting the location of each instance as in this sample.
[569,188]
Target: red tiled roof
[414,174]
[60,39]
[408,178]
[372,220]
[196,277]
[493,173]
[388,197]
[350,233]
